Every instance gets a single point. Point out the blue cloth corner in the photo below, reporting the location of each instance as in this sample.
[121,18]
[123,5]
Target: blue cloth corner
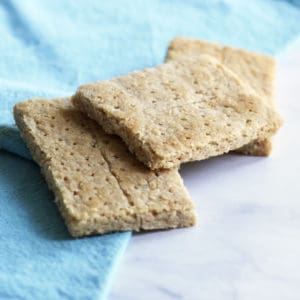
[39,259]
[11,141]
[48,48]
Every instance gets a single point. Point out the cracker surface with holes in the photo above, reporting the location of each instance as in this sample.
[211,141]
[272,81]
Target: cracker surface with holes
[258,70]
[98,185]
[184,110]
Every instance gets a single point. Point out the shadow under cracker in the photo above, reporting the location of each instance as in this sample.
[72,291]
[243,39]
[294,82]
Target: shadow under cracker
[23,178]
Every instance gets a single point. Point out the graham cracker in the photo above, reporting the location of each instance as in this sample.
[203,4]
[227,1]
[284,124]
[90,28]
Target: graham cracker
[180,111]
[258,70]
[98,185]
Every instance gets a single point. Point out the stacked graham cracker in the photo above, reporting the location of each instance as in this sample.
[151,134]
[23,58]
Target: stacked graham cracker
[111,152]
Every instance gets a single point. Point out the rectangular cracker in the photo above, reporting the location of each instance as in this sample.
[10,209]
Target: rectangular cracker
[99,186]
[258,70]
[180,111]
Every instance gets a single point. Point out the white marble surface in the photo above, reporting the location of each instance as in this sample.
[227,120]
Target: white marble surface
[247,242]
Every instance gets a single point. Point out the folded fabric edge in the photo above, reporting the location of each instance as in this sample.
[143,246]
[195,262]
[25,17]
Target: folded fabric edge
[123,243]
[11,141]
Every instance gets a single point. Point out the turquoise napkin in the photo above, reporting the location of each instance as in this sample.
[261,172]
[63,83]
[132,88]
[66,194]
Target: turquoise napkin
[39,259]
[48,48]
